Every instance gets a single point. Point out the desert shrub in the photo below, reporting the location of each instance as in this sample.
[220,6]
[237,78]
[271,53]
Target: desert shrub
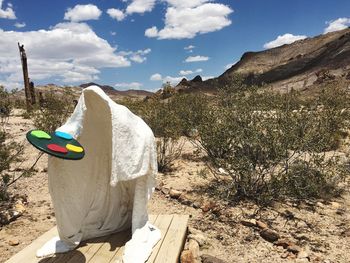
[54,111]
[5,105]
[304,179]
[270,147]
[191,110]
[10,151]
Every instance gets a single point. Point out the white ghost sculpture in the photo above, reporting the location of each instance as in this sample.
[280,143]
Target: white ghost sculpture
[108,190]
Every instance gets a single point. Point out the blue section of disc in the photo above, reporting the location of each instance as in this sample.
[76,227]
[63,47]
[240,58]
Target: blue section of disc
[63,135]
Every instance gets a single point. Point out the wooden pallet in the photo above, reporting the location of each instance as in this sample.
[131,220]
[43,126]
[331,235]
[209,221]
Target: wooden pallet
[110,248]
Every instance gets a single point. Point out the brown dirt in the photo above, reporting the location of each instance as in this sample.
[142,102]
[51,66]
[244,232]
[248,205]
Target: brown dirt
[321,228]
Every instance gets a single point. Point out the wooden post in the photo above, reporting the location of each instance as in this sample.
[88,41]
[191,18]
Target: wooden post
[25,75]
[32,92]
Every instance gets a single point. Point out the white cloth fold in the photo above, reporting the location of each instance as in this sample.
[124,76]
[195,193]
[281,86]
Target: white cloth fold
[108,190]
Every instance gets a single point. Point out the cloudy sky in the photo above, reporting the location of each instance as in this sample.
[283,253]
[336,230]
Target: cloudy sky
[140,44]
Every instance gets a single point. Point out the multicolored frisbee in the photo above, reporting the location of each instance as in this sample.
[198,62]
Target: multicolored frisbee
[58,144]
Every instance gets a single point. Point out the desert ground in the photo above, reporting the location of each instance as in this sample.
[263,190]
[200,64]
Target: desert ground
[313,231]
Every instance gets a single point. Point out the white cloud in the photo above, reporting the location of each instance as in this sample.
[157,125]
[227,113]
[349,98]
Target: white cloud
[338,24]
[189,72]
[116,14]
[172,80]
[156,77]
[196,58]
[185,72]
[82,13]
[137,56]
[69,52]
[113,33]
[284,39]
[20,25]
[186,19]
[140,6]
[126,86]
[189,47]
[7,13]
[151,32]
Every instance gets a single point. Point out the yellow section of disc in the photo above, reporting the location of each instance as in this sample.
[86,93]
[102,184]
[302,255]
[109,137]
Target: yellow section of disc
[74,148]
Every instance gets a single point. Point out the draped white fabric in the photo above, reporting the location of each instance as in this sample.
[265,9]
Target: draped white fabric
[108,190]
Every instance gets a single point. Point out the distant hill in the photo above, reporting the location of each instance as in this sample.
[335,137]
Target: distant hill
[105,88]
[299,65]
[122,93]
[76,90]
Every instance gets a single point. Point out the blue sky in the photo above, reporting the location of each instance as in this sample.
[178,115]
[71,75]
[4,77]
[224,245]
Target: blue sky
[141,44]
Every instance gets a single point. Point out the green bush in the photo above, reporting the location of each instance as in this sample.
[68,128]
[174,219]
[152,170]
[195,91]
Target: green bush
[10,151]
[53,111]
[260,139]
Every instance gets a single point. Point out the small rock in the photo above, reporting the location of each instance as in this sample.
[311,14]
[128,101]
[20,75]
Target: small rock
[193,246]
[261,224]
[248,222]
[19,207]
[294,249]
[283,243]
[13,242]
[174,193]
[201,239]
[210,259]
[269,235]
[186,257]
[196,205]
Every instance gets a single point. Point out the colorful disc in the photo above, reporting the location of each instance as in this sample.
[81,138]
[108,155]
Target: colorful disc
[56,148]
[74,148]
[40,134]
[55,145]
[63,135]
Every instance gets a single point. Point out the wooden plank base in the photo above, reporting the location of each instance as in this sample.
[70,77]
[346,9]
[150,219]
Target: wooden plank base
[110,248]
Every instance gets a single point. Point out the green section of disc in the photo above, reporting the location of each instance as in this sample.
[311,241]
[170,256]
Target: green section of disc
[40,134]
[41,144]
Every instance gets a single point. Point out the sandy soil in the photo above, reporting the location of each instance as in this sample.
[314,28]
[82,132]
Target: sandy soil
[320,229]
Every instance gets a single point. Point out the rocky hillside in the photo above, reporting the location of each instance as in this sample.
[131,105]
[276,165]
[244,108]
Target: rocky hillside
[299,65]
[76,90]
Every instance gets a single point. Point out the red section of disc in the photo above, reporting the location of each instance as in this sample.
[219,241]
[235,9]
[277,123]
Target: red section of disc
[56,148]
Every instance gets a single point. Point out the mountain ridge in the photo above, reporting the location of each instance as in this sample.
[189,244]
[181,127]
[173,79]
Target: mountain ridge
[298,65]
